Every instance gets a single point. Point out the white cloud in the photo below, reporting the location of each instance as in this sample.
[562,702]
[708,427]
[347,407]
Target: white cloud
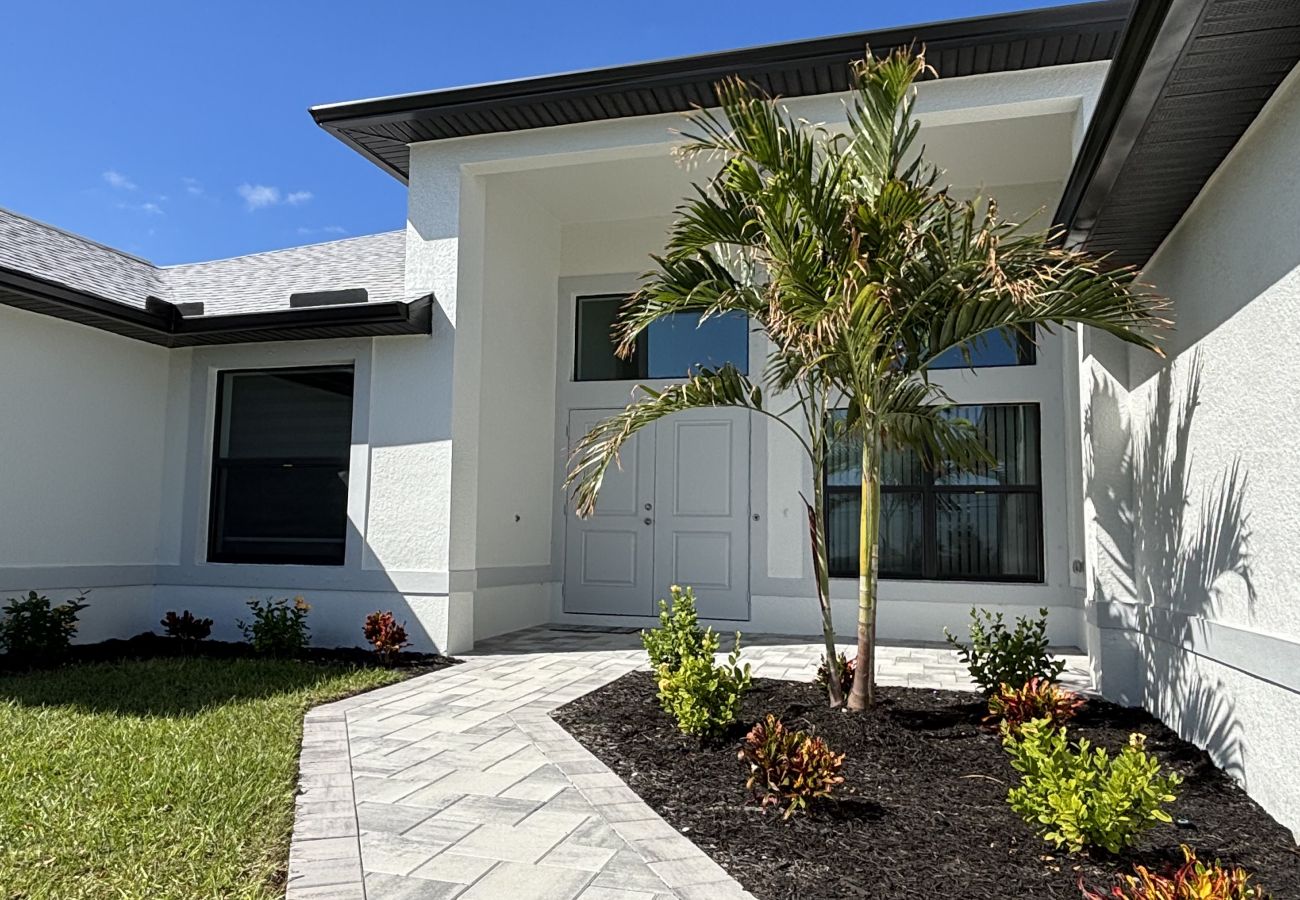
[152,209]
[257,196]
[260,196]
[118,180]
[192,187]
[324,229]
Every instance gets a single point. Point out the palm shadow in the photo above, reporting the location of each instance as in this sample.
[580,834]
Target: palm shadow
[1168,556]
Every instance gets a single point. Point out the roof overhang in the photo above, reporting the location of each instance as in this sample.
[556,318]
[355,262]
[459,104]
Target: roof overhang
[163,324]
[383,129]
[1189,78]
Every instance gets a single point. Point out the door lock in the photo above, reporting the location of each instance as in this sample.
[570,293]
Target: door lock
[647,507]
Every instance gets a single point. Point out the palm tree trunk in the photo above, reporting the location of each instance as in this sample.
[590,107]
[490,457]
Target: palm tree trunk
[863,695]
[817,537]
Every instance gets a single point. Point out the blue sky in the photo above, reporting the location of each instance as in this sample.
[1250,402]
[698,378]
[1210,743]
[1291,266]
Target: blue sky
[179,131]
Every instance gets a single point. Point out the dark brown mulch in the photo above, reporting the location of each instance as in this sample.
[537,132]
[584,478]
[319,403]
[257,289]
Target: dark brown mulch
[922,812]
[149,645]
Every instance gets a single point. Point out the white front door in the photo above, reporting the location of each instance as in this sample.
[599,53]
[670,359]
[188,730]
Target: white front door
[608,557]
[675,512]
[702,509]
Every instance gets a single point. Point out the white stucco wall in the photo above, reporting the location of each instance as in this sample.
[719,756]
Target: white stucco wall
[512,447]
[395,557]
[81,450]
[1195,605]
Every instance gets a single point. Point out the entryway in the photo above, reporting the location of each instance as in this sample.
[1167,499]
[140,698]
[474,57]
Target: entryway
[675,512]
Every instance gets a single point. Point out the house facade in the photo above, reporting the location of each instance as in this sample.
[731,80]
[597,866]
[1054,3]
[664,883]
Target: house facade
[384,422]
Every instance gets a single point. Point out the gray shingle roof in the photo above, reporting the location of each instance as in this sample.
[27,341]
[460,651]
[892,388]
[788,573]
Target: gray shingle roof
[260,282]
[264,281]
[53,254]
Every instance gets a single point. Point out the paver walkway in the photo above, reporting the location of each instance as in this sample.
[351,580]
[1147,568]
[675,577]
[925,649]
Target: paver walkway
[459,784]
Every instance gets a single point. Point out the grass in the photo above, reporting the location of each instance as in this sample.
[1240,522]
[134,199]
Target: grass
[160,779]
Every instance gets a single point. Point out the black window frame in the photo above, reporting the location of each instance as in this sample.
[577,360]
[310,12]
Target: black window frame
[929,492]
[218,464]
[641,354]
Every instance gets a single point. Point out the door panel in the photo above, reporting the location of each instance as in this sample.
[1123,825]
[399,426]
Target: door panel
[608,558]
[701,530]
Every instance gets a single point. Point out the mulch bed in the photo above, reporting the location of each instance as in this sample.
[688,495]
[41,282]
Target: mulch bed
[922,812]
[149,645]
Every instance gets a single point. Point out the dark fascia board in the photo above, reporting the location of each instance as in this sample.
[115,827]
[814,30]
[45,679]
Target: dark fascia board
[342,119]
[1148,51]
[161,322]
[1180,63]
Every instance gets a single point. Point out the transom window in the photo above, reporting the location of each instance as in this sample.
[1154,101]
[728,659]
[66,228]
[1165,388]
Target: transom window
[1000,348]
[280,466]
[670,348]
[981,524]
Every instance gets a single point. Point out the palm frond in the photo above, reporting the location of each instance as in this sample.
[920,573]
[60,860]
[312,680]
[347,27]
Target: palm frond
[597,450]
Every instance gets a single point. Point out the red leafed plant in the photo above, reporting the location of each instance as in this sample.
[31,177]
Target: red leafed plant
[385,635]
[1038,699]
[789,767]
[1193,880]
[844,666]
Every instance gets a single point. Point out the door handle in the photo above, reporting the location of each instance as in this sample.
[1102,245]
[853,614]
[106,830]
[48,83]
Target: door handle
[648,520]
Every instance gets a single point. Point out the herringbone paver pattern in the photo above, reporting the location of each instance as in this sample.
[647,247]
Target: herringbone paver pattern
[459,784]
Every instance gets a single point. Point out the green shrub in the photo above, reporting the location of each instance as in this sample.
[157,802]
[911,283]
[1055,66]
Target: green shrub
[1193,880]
[845,668]
[1037,699]
[679,635]
[279,627]
[704,697]
[32,628]
[789,767]
[185,627]
[1079,796]
[996,656]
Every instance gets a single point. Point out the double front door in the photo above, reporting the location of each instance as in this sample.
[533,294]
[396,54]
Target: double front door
[676,511]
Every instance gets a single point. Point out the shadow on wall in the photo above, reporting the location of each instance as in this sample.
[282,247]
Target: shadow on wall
[1169,553]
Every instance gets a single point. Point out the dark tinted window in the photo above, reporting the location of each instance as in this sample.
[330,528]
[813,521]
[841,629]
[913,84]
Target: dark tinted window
[280,470]
[670,348]
[981,524]
[990,350]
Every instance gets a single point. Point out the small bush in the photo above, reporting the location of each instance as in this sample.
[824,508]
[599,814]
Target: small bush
[996,657]
[845,667]
[679,635]
[789,767]
[1038,699]
[385,635]
[279,627]
[703,697]
[1193,880]
[1078,796]
[186,627]
[32,628]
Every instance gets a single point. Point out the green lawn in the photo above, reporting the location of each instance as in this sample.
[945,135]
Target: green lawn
[168,778]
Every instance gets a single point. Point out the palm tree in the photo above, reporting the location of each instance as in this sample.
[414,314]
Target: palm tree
[862,272]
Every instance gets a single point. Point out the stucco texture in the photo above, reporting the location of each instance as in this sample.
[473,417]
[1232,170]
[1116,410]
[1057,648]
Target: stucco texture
[1196,504]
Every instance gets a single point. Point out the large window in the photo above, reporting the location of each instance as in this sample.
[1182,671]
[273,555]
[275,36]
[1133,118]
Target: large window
[983,524]
[280,466]
[669,348]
